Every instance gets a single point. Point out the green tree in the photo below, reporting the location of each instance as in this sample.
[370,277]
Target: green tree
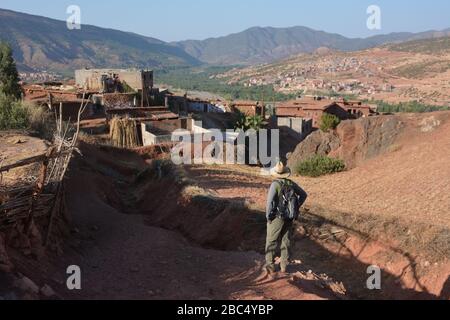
[329,122]
[255,122]
[245,122]
[9,77]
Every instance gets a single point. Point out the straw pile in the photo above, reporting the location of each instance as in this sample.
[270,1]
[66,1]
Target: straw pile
[123,133]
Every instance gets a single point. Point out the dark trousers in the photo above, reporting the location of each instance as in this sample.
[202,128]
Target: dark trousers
[279,233]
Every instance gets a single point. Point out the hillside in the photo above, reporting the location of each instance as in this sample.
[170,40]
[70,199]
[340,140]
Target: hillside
[261,45]
[411,71]
[46,44]
[426,46]
[400,175]
[397,194]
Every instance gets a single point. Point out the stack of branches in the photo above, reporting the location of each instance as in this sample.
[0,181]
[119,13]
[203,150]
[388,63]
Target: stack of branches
[123,133]
[43,197]
[17,203]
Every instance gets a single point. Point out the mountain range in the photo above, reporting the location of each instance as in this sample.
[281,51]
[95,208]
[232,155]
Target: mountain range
[41,43]
[262,45]
[46,44]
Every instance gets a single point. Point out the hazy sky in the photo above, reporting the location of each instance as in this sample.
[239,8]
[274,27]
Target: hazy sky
[172,20]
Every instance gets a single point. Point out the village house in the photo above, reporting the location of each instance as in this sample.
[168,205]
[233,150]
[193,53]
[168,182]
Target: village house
[183,105]
[315,108]
[177,104]
[204,106]
[357,109]
[249,108]
[125,93]
[300,128]
[114,80]
[64,100]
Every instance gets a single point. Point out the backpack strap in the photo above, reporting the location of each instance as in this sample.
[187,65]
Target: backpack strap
[284,182]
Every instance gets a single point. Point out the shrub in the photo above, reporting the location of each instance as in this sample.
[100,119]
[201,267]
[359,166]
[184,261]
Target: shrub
[16,115]
[13,114]
[329,122]
[40,120]
[408,107]
[319,165]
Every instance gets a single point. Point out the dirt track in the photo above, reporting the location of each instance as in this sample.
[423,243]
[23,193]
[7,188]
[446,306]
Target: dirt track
[122,257]
[125,257]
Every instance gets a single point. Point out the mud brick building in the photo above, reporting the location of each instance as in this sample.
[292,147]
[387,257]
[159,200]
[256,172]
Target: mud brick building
[315,108]
[357,109]
[114,80]
[250,108]
[66,100]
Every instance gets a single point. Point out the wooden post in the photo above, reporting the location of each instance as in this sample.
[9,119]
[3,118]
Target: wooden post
[58,206]
[60,116]
[36,194]
[50,102]
[39,187]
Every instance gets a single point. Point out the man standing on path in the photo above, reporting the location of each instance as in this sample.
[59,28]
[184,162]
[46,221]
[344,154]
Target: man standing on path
[283,207]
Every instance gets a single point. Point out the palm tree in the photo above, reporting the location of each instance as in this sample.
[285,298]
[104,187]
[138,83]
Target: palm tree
[245,122]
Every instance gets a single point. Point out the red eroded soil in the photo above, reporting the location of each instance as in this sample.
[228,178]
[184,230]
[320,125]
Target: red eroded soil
[344,256]
[409,182]
[121,256]
[139,236]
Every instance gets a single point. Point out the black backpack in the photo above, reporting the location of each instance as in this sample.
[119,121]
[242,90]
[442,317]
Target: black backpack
[288,202]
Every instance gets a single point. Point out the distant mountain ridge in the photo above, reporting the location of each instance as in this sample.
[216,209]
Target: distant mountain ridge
[47,44]
[41,43]
[263,45]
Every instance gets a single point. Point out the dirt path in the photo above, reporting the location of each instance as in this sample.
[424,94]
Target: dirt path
[123,258]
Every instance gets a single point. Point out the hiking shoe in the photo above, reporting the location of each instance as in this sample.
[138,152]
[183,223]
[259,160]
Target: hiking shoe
[270,270]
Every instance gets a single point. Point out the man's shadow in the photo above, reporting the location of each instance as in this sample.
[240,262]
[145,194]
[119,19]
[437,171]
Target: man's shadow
[445,293]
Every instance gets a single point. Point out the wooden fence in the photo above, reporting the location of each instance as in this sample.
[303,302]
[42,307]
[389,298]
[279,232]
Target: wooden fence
[23,203]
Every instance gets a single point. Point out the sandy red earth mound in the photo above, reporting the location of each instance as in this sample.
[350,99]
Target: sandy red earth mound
[400,168]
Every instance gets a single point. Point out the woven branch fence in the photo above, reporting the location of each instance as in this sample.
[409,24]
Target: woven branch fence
[44,196]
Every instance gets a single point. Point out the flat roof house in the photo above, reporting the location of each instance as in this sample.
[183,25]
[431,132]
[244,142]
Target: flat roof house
[250,108]
[311,109]
[314,108]
[109,80]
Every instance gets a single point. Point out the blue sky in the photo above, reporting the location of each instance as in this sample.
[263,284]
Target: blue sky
[172,20]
